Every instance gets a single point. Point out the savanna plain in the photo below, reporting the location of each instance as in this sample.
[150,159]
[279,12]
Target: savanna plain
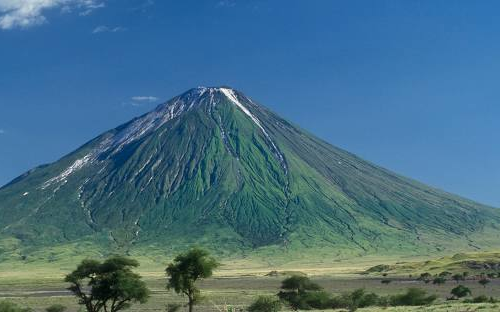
[236,284]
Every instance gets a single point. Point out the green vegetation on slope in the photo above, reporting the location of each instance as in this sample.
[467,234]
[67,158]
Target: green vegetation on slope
[474,263]
[242,182]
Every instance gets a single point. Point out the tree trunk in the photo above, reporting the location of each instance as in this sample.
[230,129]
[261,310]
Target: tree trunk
[190,304]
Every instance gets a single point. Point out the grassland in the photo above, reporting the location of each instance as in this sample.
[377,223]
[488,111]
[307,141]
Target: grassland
[237,283]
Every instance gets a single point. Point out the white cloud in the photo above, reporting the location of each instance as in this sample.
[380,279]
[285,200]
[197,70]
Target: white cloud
[138,101]
[27,13]
[144,98]
[102,28]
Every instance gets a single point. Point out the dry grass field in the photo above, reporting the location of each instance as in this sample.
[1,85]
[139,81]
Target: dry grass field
[234,287]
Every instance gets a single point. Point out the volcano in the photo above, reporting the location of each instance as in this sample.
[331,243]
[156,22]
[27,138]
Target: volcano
[212,167]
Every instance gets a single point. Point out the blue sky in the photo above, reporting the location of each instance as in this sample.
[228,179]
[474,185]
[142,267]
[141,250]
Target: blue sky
[410,85]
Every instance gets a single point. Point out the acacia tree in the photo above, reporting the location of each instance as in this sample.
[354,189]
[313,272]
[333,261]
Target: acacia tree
[110,286]
[186,270]
[425,277]
[484,282]
[458,277]
[439,280]
[461,291]
[295,290]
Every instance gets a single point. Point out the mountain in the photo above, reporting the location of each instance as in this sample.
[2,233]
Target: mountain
[213,167]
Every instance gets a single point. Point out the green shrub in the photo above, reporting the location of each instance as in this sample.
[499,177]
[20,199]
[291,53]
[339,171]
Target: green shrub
[384,301]
[56,308]
[484,282]
[307,300]
[445,274]
[439,280]
[301,293]
[265,304]
[458,277]
[7,306]
[317,300]
[412,297]
[173,307]
[425,277]
[356,299]
[461,291]
[299,284]
[481,299]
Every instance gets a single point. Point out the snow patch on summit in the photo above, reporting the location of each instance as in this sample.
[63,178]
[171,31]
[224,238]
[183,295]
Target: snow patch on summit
[138,128]
[229,93]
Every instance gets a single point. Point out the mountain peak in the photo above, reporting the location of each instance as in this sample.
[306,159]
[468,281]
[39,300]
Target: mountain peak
[212,166]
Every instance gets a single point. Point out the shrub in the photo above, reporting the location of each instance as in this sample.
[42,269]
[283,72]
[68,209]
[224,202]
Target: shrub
[308,300]
[56,308]
[425,277]
[484,282]
[458,277]
[445,274]
[386,281]
[439,280]
[357,299]
[7,306]
[173,307]
[461,291]
[481,299]
[301,293]
[318,300]
[412,297]
[299,284]
[265,304]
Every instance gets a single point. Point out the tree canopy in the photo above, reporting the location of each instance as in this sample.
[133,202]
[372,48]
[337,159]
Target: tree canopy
[187,269]
[461,291]
[109,286]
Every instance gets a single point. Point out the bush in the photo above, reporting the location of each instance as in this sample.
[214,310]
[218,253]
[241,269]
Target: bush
[7,306]
[301,293]
[173,307]
[307,300]
[481,299]
[425,277]
[265,304]
[439,280]
[445,274]
[461,291]
[356,299]
[412,297]
[484,282]
[458,277]
[56,308]
[317,300]
[299,284]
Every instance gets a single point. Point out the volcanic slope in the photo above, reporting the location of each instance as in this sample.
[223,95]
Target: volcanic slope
[211,167]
